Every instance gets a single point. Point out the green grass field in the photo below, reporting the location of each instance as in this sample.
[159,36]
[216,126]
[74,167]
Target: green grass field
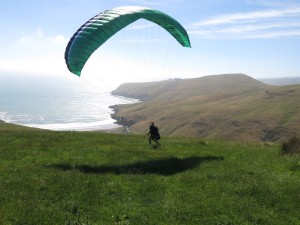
[97,178]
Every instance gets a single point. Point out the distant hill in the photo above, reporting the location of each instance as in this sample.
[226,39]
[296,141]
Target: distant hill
[282,81]
[229,106]
[183,88]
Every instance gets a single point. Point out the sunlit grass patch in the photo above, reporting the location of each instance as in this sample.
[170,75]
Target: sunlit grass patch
[96,178]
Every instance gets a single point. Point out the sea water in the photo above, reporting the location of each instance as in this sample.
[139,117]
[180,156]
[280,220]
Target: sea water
[56,104]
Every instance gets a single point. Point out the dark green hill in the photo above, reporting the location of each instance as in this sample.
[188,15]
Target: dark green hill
[230,107]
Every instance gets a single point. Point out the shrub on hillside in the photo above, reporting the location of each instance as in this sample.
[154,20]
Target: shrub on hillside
[291,146]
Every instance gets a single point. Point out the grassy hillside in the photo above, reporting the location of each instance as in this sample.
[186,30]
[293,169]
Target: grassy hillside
[228,107]
[54,178]
[9,127]
[183,88]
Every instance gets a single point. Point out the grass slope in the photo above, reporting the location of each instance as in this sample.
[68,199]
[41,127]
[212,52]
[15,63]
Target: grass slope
[184,88]
[51,177]
[227,107]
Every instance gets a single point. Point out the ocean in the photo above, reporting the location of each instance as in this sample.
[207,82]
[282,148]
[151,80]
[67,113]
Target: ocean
[56,104]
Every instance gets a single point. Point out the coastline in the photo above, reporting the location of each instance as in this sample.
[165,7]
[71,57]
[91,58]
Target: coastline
[101,117]
[110,122]
[122,121]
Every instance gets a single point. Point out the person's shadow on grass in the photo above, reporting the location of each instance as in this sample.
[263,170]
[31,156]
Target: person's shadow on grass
[165,166]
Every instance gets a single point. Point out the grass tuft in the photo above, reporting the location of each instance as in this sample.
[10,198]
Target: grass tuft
[291,146]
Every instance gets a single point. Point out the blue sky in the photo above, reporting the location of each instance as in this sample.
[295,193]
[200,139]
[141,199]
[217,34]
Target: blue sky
[260,38]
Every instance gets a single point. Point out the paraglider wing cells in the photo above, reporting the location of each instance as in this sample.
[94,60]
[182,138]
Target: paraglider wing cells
[91,35]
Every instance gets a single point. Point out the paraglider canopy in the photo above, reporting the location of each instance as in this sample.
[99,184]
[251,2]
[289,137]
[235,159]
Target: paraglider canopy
[91,35]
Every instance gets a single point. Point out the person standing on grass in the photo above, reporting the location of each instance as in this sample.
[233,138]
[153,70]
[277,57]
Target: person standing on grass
[154,134]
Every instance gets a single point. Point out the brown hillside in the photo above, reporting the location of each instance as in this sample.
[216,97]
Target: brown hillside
[182,88]
[230,107]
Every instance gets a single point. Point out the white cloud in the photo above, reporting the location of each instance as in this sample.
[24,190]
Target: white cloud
[42,64]
[60,38]
[275,3]
[258,24]
[36,53]
[40,33]
[250,17]
[275,34]
[38,37]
